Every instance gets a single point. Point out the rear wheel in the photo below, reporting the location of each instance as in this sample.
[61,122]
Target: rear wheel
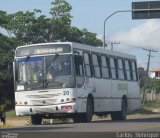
[36,119]
[120,115]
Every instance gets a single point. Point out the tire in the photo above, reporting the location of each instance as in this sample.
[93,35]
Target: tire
[120,115]
[36,119]
[77,119]
[85,117]
[89,111]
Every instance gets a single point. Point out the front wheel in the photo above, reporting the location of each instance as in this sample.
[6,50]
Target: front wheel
[36,119]
[89,111]
[85,117]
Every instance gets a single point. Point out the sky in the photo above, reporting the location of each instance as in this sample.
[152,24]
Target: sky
[133,35]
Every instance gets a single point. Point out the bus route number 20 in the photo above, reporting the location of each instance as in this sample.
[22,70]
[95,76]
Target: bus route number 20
[65,93]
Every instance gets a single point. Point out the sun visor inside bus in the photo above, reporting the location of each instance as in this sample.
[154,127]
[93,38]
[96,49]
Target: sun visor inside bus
[30,59]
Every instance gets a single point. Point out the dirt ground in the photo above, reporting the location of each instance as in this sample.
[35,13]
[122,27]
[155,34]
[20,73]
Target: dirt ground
[16,122]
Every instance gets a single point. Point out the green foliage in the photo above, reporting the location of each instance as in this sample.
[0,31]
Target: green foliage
[7,46]
[61,10]
[90,38]
[84,37]
[32,27]
[3,18]
[153,105]
[153,84]
[28,26]
[60,21]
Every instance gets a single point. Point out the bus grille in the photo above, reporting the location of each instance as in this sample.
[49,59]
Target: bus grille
[43,96]
[43,110]
[43,102]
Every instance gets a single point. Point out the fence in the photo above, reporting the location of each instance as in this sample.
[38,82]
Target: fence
[150,97]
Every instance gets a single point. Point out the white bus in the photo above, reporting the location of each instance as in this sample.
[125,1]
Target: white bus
[73,80]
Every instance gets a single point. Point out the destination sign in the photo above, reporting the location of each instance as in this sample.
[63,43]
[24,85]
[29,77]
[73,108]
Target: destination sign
[43,49]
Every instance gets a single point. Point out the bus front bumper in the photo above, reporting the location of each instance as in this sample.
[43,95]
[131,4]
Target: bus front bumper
[23,110]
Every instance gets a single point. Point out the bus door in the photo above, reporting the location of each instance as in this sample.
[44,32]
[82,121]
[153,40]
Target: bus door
[80,79]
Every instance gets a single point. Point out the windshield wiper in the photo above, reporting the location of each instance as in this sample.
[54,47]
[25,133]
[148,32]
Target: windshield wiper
[51,60]
[46,82]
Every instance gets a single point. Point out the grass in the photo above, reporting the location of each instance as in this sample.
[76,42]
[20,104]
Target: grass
[152,105]
[142,111]
[12,115]
[7,125]
[147,108]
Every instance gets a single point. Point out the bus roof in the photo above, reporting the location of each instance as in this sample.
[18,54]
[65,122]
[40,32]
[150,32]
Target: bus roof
[102,51]
[86,48]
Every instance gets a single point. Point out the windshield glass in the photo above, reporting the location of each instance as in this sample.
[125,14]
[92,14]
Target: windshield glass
[54,71]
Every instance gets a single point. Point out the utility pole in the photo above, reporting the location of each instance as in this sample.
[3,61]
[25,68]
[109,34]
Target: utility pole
[112,43]
[149,57]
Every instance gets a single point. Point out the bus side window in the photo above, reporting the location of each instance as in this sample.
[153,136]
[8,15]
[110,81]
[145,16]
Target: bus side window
[127,70]
[134,71]
[104,66]
[113,68]
[120,69]
[87,62]
[79,70]
[96,66]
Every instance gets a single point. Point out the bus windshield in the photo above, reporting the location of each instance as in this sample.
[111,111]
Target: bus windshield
[35,73]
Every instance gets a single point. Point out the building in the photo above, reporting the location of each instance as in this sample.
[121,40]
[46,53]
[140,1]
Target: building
[155,73]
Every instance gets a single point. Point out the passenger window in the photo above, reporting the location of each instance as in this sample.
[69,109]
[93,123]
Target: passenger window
[134,74]
[104,67]
[120,69]
[128,70]
[113,68]
[96,66]
[87,65]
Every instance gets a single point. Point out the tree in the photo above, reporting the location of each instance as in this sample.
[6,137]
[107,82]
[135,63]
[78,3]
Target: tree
[83,36]
[3,19]
[28,26]
[61,20]
[90,38]
[74,35]
[7,47]
[32,27]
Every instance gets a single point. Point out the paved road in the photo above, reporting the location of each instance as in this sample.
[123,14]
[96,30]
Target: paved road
[131,125]
[147,124]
